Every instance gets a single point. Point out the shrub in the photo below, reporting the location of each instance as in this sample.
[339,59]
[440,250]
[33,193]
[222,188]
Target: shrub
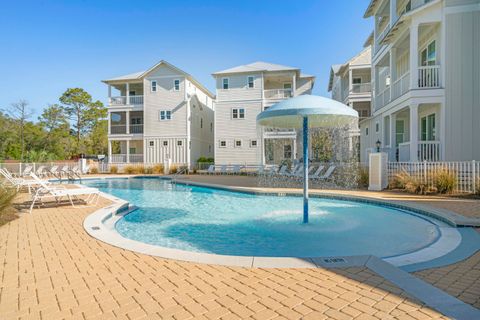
[398,181]
[363,177]
[444,181]
[477,186]
[93,170]
[173,169]
[140,169]
[129,169]
[410,184]
[6,198]
[205,160]
[113,169]
[158,169]
[148,170]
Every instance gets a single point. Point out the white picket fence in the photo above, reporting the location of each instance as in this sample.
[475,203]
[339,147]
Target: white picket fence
[467,172]
[18,168]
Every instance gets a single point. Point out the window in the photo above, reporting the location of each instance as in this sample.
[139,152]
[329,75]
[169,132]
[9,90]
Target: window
[165,115]
[377,127]
[209,148]
[429,55]
[250,82]
[427,125]
[225,83]
[165,143]
[287,151]
[253,143]
[211,126]
[399,132]
[131,93]
[154,86]
[366,131]
[287,85]
[223,144]
[176,85]
[151,143]
[238,143]
[238,113]
[357,80]
[201,123]
[179,143]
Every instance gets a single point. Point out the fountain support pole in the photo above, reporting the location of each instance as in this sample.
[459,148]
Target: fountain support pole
[305,169]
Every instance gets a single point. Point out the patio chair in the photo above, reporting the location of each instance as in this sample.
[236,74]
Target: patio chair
[45,191]
[27,171]
[40,172]
[316,175]
[223,169]
[236,169]
[54,171]
[283,171]
[19,183]
[328,173]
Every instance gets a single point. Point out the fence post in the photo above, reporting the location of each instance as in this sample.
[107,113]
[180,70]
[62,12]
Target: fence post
[425,171]
[20,171]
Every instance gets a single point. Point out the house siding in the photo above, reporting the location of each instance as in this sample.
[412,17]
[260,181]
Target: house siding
[238,87]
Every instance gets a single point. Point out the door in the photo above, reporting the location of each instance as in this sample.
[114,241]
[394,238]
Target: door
[427,125]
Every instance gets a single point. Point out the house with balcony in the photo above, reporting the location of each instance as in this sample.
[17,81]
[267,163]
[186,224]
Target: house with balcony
[242,93]
[158,115]
[425,83]
[350,83]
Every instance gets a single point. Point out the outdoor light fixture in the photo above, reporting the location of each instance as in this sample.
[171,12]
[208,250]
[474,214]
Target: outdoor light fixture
[378,144]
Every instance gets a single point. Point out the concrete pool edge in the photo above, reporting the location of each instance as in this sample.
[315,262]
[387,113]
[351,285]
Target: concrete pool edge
[101,225]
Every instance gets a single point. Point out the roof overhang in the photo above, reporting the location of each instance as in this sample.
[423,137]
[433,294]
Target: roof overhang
[372,6]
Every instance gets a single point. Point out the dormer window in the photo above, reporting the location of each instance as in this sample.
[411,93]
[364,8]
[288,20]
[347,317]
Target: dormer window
[154,86]
[250,82]
[225,83]
[176,85]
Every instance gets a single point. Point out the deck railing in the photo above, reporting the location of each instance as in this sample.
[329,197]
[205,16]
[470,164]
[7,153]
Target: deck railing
[118,129]
[429,77]
[361,87]
[122,100]
[136,128]
[122,158]
[401,86]
[278,93]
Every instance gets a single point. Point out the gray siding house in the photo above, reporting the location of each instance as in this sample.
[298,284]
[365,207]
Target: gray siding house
[159,115]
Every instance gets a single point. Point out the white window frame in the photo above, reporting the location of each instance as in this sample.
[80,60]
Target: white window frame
[425,48]
[167,115]
[175,85]
[165,143]
[220,143]
[223,83]
[153,86]
[366,131]
[357,77]
[151,143]
[238,114]
[248,82]
[252,142]
[179,143]
[235,143]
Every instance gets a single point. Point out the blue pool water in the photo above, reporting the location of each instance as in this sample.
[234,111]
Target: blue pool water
[223,222]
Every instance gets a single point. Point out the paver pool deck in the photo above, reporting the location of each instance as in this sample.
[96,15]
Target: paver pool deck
[50,268]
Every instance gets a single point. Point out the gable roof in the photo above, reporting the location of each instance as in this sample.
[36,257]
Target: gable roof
[257,67]
[142,74]
[333,71]
[364,57]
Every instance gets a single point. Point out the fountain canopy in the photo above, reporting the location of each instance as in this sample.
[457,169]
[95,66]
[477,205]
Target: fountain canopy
[321,113]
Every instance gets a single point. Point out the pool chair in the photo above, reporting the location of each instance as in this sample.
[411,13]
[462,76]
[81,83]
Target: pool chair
[316,175]
[27,171]
[40,172]
[283,171]
[328,173]
[223,169]
[20,183]
[210,170]
[58,193]
[236,169]
[54,171]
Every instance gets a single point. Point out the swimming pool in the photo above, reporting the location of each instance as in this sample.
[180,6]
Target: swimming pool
[206,220]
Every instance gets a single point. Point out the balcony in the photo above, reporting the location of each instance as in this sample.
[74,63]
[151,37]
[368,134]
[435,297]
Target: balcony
[278,93]
[428,78]
[359,88]
[124,158]
[126,122]
[122,100]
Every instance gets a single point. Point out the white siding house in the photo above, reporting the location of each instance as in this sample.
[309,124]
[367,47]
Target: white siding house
[242,93]
[425,80]
[161,114]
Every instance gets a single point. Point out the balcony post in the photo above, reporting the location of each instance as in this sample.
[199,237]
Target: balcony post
[109,122]
[414,132]
[350,80]
[294,84]
[127,120]
[128,151]
[414,56]
[393,12]
[110,151]
[393,65]
[392,131]
[109,94]
[127,93]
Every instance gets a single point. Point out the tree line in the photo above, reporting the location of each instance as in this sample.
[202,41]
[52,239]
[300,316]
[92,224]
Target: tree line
[75,125]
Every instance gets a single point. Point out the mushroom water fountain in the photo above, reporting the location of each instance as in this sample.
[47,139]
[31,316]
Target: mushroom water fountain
[307,111]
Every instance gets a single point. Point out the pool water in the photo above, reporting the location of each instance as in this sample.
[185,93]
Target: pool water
[208,220]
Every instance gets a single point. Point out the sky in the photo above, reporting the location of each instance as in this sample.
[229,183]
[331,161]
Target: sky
[49,46]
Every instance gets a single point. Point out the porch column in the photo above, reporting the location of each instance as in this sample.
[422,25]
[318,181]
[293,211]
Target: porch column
[109,151]
[109,122]
[128,121]
[392,131]
[393,65]
[350,80]
[294,84]
[393,12]
[109,94]
[442,136]
[414,56]
[128,151]
[127,93]
[414,132]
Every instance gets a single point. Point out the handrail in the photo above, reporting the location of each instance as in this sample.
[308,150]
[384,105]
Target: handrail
[175,175]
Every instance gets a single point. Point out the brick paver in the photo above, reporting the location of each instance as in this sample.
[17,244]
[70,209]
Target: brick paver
[51,269]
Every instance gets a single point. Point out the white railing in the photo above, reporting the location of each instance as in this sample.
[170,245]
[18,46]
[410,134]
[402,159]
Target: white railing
[404,152]
[136,99]
[278,93]
[135,158]
[467,172]
[382,99]
[361,87]
[401,86]
[429,150]
[136,128]
[122,100]
[429,77]
[122,158]
[118,129]
[18,168]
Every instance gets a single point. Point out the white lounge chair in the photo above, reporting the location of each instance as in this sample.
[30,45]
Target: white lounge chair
[40,172]
[19,183]
[58,193]
[283,171]
[223,169]
[316,175]
[54,171]
[328,173]
[27,171]
[236,169]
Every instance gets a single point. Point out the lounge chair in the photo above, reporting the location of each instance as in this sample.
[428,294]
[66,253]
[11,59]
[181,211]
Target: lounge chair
[316,175]
[19,183]
[27,171]
[236,169]
[45,191]
[283,171]
[54,171]
[40,172]
[328,173]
